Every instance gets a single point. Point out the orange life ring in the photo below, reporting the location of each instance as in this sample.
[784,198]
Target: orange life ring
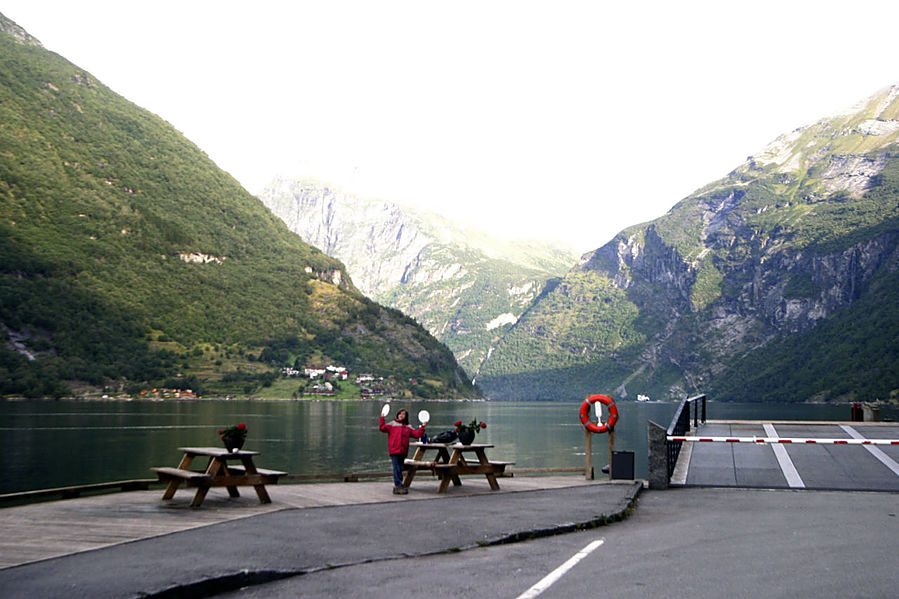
[601,427]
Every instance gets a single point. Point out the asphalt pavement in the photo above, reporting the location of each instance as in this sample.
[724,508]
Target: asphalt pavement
[288,543]
[696,543]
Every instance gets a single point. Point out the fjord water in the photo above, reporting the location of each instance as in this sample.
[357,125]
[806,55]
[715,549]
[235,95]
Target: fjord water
[46,443]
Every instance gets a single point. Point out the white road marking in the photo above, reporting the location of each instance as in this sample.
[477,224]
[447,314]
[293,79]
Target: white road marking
[875,451]
[784,461]
[556,574]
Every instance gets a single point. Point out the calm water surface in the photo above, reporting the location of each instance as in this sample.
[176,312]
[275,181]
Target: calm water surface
[46,444]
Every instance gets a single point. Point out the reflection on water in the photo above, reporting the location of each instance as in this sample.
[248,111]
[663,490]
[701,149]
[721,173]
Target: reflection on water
[46,444]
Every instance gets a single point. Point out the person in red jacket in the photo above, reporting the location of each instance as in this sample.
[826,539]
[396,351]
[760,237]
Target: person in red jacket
[398,433]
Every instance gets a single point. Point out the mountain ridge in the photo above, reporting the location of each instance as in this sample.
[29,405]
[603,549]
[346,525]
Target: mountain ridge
[465,286]
[795,234]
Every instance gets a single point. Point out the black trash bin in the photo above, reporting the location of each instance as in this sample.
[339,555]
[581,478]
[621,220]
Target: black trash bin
[623,465]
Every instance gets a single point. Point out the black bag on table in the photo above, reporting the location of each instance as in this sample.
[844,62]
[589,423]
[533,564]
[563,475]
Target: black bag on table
[444,437]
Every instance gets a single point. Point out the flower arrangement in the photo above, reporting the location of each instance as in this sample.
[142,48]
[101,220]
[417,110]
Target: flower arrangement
[472,428]
[234,436]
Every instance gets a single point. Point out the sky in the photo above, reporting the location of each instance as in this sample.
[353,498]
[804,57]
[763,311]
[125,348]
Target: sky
[561,120]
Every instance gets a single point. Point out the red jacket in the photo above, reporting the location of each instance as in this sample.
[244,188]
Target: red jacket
[398,435]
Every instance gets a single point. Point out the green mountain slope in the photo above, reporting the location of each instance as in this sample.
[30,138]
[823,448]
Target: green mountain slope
[772,284]
[128,258]
[465,286]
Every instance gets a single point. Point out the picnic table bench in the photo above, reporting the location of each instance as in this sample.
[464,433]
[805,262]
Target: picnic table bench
[218,473]
[450,462]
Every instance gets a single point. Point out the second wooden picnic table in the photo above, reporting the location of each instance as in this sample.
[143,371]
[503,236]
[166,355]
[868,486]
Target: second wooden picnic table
[450,462]
[218,473]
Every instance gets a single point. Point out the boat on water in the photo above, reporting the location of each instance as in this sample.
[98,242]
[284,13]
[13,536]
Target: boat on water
[641,397]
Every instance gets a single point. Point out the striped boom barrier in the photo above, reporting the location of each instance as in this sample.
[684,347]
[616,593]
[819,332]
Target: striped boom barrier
[797,440]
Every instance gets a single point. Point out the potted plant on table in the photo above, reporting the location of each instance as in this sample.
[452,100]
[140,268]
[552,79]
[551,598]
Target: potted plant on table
[234,437]
[467,432]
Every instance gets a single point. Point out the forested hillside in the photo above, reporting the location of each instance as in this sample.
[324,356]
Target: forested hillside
[129,259]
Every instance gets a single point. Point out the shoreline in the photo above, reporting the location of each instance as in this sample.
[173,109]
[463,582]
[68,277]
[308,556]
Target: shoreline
[878,402]
[255,399]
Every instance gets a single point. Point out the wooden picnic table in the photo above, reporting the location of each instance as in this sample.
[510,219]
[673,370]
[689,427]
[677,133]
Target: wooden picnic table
[218,473]
[450,462]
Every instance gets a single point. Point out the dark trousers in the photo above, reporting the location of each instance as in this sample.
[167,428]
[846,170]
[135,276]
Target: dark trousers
[398,460]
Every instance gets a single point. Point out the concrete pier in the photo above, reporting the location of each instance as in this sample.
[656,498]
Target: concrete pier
[797,465]
[40,531]
[315,538]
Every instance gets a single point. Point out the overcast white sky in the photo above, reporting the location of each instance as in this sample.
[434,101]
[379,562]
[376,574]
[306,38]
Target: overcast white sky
[560,120]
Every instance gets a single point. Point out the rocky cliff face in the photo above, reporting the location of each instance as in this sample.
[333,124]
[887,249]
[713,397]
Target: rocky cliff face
[18,33]
[794,237]
[466,288]
[377,237]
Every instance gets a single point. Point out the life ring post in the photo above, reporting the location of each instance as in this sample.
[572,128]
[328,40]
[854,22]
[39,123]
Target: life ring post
[598,427]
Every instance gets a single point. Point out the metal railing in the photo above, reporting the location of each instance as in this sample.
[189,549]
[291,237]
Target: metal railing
[690,410]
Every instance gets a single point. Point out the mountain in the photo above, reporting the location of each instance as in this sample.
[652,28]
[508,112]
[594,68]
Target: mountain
[129,259]
[776,283]
[466,287]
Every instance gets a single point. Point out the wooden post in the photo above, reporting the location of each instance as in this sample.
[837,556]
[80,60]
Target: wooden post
[611,450]
[588,443]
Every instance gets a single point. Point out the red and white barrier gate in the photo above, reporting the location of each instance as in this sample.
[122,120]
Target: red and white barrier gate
[785,440]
